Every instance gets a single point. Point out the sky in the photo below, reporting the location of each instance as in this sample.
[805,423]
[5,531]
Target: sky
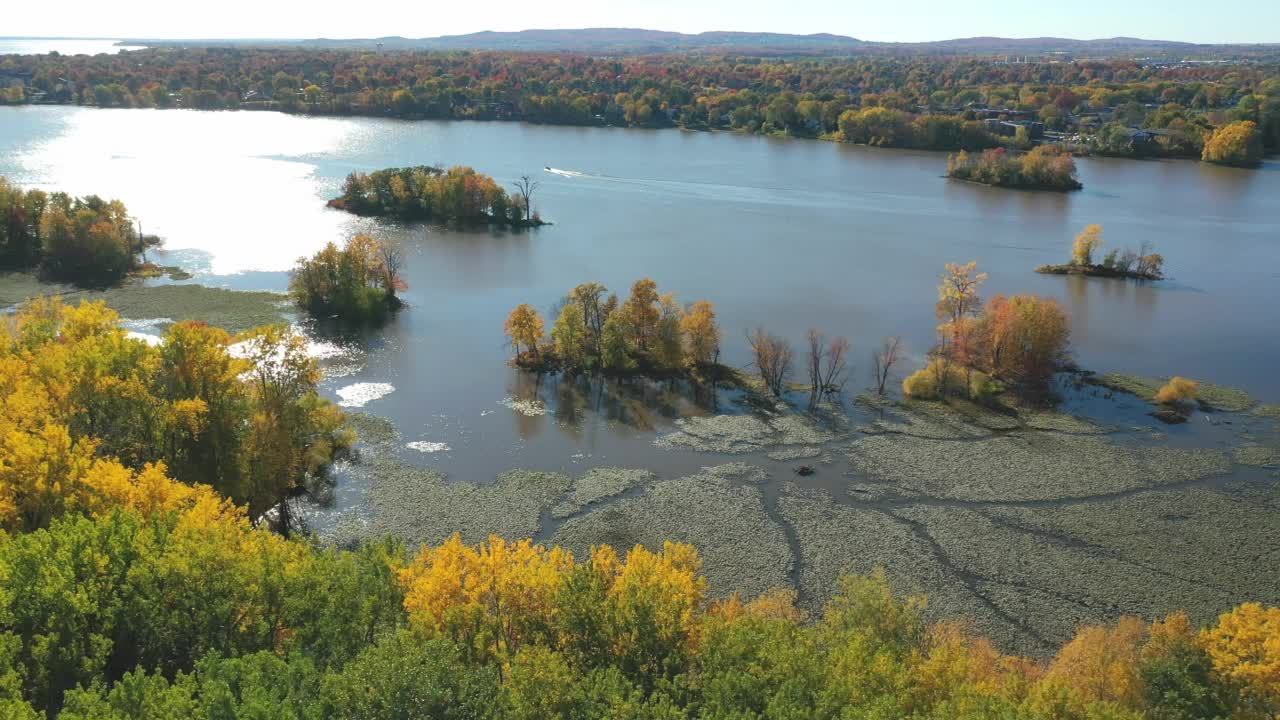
[915,21]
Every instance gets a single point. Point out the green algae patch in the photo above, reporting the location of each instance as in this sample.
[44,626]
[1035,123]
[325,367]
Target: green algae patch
[599,484]
[1268,411]
[1024,466]
[1210,396]
[1257,455]
[421,506]
[837,540]
[742,549]
[232,310]
[738,434]
[373,430]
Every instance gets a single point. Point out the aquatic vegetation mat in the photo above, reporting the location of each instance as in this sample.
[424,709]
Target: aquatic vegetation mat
[232,310]
[738,434]
[597,484]
[741,547]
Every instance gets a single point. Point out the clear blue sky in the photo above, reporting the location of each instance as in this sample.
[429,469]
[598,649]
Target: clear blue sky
[1246,21]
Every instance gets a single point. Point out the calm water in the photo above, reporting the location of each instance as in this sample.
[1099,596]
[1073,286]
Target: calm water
[784,234]
[64,46]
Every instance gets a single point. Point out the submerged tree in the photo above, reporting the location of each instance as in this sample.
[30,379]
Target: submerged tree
[772,357]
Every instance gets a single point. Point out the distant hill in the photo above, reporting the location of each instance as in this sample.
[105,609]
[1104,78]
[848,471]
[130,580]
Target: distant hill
[627,41]
[617,41]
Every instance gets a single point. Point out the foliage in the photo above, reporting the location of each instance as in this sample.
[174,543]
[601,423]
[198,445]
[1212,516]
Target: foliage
[1018,342]
[1022,340]
[525,327]
[430,193]
[93,420]
[1177,391]
[1085,245]
[357,283]
[1043,168]
[193,612]
[918,101]
[1238,143]
[1245,649]
[648,333]
[87,241]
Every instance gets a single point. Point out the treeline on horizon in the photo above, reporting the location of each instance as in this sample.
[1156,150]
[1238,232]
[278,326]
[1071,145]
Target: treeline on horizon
[801,97]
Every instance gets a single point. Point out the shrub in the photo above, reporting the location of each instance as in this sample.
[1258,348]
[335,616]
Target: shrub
[941,378]
[1177,391]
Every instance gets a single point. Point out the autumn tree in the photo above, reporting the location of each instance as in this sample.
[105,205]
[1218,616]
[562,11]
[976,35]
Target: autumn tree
[525,328]
[1244,647]
[1238,143]
[293,434]
[702,334]
[1086,244]
[642,312]
[958,302]
[669,351]
[1022,340]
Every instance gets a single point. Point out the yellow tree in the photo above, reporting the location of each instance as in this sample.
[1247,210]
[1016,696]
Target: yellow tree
[1237,143]
[1101,664]
[642,313]
[1245,648]
[1085,245]
[702,334]
[525,328]
[491,598]
[958,301]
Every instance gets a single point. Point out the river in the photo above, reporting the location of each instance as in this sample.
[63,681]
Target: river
[62,46]
[787,234]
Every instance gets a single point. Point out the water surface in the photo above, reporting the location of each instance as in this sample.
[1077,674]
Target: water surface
[784,234]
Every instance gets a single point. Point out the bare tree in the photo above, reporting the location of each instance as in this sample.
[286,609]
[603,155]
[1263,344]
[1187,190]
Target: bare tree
[391,253]
[772,357]
[525,188]
[835,369]
[884,359]
[814,361]
[827,365]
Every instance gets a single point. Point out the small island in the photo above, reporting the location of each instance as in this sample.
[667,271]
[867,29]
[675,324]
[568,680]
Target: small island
[86,241]
[1142,264]
[425,193]
[1045,167]
[355,284]
[647,334]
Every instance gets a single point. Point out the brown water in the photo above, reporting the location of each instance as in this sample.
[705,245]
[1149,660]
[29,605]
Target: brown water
[784,234]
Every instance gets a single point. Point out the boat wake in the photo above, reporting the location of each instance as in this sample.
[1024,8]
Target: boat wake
[564,173]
